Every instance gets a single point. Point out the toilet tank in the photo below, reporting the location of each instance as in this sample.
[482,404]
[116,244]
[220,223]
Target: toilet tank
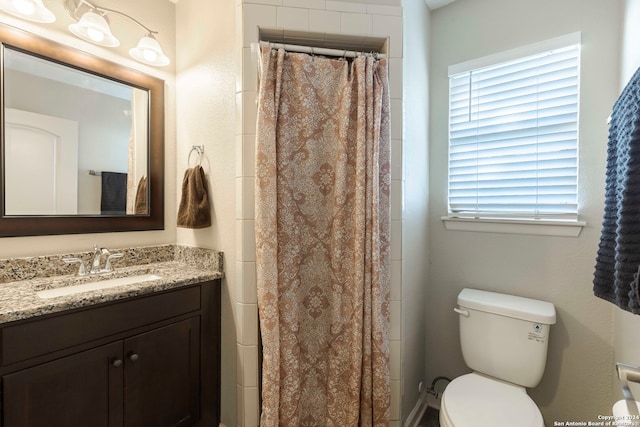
[505,336]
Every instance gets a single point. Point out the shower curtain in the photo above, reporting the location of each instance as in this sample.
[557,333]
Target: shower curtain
[322,239]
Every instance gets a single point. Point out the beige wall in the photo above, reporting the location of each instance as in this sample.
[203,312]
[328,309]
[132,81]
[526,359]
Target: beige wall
[415,179]
[206,116]
[154,14]
[577,382]
[627,325]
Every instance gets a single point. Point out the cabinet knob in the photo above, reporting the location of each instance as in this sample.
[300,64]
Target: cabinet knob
[117,363]
[133,357]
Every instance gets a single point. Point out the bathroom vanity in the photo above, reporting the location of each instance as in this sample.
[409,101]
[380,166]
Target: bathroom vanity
[141,354]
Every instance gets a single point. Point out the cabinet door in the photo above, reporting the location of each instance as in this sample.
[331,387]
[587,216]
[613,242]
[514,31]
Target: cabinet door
[84,389]
[161,382]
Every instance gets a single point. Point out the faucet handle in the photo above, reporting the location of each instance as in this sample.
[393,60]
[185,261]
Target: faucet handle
[108,267]
[82,270]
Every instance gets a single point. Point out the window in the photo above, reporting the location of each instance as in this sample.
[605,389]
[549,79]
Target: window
[513,134]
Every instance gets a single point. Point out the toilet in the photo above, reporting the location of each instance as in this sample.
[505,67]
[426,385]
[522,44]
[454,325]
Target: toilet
[504,340]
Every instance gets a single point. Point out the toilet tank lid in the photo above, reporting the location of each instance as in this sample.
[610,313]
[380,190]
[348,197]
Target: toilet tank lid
[508,305]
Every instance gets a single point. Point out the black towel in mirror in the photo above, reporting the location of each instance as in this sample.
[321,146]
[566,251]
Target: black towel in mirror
[114,193]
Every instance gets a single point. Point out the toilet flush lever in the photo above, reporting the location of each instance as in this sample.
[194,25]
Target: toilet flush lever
[627,373]
[461,312]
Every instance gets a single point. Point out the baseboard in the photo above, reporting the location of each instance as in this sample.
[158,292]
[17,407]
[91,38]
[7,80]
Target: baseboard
[417,412]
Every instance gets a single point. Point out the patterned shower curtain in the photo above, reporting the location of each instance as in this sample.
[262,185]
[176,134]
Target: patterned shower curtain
[322,236]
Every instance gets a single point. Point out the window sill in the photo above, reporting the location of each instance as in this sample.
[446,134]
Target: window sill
[534,227]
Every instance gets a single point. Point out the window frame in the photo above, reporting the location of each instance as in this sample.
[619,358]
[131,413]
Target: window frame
[548,225]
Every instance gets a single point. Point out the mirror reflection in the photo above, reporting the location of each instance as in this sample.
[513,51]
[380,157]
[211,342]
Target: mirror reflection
[75,143]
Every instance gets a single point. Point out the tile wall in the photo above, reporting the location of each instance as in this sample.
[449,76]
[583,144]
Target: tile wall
[324,17]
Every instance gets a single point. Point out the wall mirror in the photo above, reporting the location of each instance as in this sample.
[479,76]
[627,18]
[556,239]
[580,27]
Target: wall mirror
[82,141]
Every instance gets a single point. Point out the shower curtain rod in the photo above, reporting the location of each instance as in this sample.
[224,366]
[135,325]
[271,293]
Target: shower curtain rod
[320,50]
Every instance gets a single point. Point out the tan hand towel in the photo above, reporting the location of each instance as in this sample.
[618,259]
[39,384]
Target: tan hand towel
[194,211]
[140,207]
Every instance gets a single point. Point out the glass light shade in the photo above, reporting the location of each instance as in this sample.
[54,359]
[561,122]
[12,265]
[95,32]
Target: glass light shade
[32,10]
[93,28]
[148,51]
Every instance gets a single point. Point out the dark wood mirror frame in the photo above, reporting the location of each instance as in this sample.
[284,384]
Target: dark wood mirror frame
[75,224]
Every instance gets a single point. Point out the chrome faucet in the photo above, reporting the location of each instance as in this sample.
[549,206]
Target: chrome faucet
[97,255]
[95,264]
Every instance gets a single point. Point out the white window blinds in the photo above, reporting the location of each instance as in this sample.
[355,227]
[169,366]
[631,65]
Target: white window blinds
[513,137]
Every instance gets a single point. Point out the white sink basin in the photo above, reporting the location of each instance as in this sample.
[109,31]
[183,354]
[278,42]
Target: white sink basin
[94,286]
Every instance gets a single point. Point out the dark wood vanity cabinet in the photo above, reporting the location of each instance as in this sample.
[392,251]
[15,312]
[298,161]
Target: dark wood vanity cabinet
[151,361]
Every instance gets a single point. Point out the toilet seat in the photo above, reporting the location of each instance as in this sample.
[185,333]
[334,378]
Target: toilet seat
[474,400]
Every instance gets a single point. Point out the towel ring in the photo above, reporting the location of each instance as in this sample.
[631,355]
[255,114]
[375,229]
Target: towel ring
[199,149]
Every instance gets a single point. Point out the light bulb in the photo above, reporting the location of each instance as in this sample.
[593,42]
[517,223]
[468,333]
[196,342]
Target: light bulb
[95,35]
[148,51]
[150,55]
[25,7]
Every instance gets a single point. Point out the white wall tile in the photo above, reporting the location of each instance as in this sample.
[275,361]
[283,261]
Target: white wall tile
[343,6]
[293,18]
[239,189]
[248,359]
[248,197]
[395,77]
[249,112]
[249,155]
[396,119]
[396,240]
[249,313]
[355,23]
[395,359]
[324,21]
[256,15]
[395,309]
[251,364]
[396,280]
[396,159]
[307,4]
[267,2]
[239,405]
[239,156]
[395,400]
[245,240]
[240,368]
[245,198]
[238,324]
[239,113]
[246,278]
[251,406]
[249,70]
[380,9]
[390,26]
[396,199]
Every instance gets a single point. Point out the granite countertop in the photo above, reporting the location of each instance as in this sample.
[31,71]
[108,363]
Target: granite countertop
[19,299]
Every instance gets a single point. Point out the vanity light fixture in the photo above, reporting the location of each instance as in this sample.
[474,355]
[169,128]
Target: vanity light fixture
[148,51]
[93,26]
[31,10]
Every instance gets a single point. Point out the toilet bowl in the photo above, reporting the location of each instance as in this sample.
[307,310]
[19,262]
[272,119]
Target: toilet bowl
[504,340]
[474,400]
